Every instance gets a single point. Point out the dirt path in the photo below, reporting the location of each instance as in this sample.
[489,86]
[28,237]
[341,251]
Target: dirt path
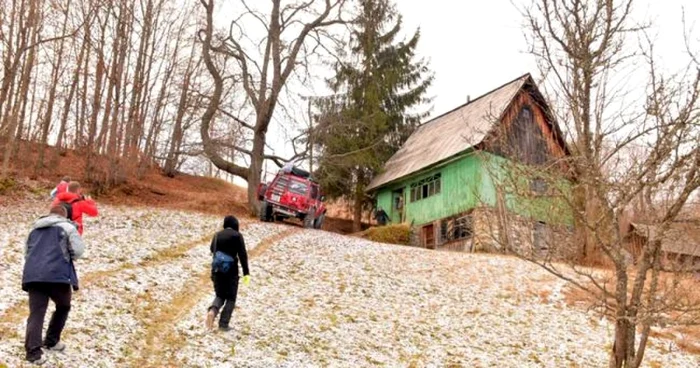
[160,341]
[14,315]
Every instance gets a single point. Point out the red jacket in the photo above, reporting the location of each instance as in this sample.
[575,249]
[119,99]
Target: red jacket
[80,207]
[62,187]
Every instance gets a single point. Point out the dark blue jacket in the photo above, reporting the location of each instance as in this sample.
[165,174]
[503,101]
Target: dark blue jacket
[52,246]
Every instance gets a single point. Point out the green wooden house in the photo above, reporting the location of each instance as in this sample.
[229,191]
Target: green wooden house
[447,180]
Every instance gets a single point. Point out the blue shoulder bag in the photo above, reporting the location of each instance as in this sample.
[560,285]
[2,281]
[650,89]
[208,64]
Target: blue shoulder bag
[222,262]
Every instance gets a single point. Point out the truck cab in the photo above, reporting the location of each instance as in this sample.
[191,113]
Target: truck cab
[292,194]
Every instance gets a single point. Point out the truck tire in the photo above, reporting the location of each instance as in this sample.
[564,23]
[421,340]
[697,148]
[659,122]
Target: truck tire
[265,211]
[319,221]
[309,219]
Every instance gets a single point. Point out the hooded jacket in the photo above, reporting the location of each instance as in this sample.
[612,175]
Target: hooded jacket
[52,246]
[80,207]
[231,242]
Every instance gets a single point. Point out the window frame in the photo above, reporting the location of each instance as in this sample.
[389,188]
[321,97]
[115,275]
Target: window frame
[427,187]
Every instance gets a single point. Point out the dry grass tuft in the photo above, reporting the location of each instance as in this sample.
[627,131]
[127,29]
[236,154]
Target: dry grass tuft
[671,288]
[391,234]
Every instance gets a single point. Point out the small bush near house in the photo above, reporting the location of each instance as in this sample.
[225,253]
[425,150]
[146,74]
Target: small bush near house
[7,185]
[392,234]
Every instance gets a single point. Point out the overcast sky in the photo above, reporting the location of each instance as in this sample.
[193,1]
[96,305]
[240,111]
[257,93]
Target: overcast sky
[474,46]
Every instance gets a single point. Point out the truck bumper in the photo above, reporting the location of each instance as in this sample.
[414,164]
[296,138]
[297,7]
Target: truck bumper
[282,210]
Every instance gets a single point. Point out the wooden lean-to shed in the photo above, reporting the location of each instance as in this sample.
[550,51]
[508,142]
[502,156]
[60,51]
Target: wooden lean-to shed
[442,179]
[680,244]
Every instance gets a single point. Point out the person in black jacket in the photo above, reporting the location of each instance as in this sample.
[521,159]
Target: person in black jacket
[227,247]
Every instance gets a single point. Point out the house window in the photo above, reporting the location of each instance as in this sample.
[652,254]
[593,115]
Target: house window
[456,228]
[425,188]
[540,235]
[463,227]
[526,115]
[538,186]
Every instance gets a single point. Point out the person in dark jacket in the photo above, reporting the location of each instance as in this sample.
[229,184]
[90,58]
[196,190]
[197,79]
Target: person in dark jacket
[381,217]
[49,274]
[227,248]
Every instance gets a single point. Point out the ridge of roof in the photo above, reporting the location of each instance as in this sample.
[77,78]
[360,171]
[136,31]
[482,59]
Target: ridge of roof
[526,75]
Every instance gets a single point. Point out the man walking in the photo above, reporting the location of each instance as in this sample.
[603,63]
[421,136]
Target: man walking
[49,274]
[227,248]
[381,217]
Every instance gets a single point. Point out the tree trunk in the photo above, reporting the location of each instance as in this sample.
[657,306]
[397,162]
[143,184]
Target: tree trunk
[618,355]
[358,204]
[173,156]
[254,172]
[29,31]
[56,74]
[69,99]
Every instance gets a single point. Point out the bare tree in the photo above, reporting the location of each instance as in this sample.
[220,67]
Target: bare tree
[583,51]
[53,88]
[262,76]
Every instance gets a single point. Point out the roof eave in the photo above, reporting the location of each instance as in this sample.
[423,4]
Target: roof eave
[419,172]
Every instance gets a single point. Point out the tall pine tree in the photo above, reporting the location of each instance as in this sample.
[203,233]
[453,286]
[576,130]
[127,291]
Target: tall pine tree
[377,88]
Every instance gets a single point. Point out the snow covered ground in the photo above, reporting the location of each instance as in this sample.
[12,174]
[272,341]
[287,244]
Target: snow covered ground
[316,299]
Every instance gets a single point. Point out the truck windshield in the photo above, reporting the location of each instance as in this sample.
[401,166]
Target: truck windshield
[298,187]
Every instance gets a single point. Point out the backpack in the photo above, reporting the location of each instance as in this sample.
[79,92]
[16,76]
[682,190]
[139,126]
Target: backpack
[69,207]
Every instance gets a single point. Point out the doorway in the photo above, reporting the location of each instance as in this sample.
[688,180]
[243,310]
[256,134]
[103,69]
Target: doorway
[429,236]
[397,206]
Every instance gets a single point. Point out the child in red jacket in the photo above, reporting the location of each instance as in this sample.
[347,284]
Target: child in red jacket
[78,203]
[62,187]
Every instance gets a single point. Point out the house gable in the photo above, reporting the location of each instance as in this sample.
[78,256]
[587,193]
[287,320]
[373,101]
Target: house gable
[527,133]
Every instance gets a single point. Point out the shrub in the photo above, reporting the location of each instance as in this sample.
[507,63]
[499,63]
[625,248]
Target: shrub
[7,184]
[392,234]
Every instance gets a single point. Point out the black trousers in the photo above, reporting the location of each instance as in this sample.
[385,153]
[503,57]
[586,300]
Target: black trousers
[39,296]
[226,288]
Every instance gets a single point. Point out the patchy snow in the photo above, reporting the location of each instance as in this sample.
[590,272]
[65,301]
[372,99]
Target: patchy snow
[316,299]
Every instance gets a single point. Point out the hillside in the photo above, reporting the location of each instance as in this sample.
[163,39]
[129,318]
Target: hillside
[152,190]
[316,299]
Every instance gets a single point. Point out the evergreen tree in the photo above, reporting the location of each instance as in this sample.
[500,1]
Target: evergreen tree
[377,87]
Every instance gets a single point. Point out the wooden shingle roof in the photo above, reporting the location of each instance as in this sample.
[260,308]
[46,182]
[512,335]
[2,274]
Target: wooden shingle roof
[681,237]
[449,134]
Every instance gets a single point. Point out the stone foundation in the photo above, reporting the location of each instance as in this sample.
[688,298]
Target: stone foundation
[523,236]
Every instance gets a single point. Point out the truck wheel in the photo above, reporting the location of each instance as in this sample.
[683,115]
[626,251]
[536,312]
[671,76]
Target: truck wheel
[265,211]
[319,221]
[309,219]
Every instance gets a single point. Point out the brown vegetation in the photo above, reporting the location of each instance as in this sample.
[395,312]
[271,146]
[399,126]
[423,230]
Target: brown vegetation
[391,234]
[182,191]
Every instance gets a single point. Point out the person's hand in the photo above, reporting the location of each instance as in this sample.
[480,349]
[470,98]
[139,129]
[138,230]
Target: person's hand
[246,280]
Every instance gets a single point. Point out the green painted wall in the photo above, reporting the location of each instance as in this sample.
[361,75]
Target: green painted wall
[460,183]
[514,181]
[468,182]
